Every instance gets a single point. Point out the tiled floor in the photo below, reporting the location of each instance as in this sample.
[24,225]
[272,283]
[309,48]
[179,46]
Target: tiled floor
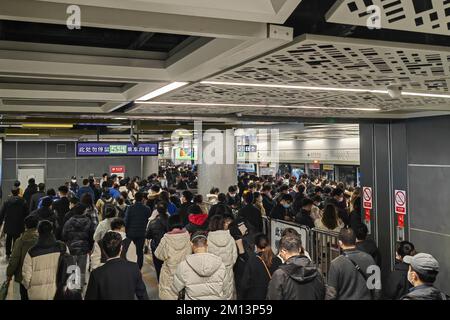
[148,272]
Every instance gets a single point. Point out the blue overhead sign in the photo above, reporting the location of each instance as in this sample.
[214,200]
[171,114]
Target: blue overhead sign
[116,149]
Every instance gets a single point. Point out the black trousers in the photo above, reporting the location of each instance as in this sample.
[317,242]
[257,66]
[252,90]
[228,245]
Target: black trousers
[10,239]
[158,264]
[139,243]
[23,293]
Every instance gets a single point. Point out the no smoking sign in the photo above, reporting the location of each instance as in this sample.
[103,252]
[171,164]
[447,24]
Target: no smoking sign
[400,201]
[367,198]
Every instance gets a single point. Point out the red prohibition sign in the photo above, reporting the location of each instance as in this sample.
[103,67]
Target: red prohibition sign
[400,198]
[367,195]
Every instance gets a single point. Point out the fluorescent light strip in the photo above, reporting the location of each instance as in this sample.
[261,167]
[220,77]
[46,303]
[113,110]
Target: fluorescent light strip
[431,95]
[200,104]
[47,125]
[162,90]
[283,86]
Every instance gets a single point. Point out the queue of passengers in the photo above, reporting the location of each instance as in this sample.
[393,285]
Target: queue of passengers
[210,247]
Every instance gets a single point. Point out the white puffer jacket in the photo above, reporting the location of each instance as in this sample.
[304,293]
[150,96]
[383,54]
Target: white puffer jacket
[173,248]
[203,277]
[222,244]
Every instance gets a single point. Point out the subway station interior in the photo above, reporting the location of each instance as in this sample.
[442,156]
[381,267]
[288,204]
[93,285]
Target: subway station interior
[310,101]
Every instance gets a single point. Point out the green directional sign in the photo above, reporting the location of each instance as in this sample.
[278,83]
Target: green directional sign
[117,149]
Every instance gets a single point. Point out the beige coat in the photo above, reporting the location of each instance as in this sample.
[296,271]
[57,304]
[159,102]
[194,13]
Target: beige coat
[203,277]
[39,275]
[222,244]
[172,249]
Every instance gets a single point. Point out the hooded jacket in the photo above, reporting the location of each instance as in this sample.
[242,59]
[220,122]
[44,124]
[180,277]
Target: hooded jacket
[203,277]
[78,233]
[173,248]
[13,212]
[40,268]
[425,292]
[222,244]
[21,246]
[297,279]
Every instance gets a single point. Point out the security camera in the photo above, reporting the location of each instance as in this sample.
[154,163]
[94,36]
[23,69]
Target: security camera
[394,91]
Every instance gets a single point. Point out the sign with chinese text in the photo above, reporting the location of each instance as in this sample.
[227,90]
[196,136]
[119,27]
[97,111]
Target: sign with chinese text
[116,149]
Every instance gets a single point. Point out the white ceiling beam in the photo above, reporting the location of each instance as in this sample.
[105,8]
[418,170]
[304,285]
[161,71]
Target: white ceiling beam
[112,18]
[206,57]
[55,92]
[273,11]
[53,108]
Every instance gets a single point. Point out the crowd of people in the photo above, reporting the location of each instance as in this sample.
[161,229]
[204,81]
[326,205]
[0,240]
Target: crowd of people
[89,241]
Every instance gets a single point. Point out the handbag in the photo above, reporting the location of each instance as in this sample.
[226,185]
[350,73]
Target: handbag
[4,290]
[267,269]
[182,294]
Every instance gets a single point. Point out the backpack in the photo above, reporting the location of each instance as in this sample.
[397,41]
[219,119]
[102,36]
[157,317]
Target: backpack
[65,276]
[107,205]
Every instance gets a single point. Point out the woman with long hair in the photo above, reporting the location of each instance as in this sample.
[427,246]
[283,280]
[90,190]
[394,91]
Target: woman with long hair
[258,270]
[330,220]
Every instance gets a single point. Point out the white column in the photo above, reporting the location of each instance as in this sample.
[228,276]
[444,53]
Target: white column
[149,166]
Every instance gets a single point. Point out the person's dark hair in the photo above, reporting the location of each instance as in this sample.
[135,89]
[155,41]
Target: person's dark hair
[318,189]
[161,207]
[79,209]
[63,190]
[266,187]
[307,202]
[222,197]
[337,192]
[406,248]
[330,217]
[74,200]
[41,186]
[105,175]
[31,221]
[195,209]
[256,195]
[31,181]
[51,192]
[112,243]
[248,196]
[17,183]
[174,222]
[139,196]
[45,228]
[232,189]
[317,198]
[291,243]
[357,204]
[87,200]
[221,210]
[164,196]
[216,223]
[85,182]
[117,224]
[289,232]
[262,242]
[361,232]
[187,195]
[286,197]
[199,239]
[155,188]
[110,212]
[15,191]
[214,190]
[347,236]
[46,202]
[283,188]
[198,199]
[429,277]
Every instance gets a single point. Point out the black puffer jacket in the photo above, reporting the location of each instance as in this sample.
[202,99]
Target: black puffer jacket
[298,279]
[425,292]
[47,214]
[78,233]
[136,219]
[397,284]
[156,230]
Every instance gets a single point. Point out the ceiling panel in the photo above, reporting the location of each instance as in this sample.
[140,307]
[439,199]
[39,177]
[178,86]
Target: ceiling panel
[426,16]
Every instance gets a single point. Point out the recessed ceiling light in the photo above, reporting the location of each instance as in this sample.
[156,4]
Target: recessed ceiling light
[203,104]
[162,90]
[431,95]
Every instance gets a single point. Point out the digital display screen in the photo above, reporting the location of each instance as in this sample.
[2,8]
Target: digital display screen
[185,154]
[116,149]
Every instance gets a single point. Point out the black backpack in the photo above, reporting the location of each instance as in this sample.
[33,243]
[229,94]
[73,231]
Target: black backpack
[64,277]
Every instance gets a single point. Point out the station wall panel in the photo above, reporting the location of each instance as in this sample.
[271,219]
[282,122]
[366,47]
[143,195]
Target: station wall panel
[30,149]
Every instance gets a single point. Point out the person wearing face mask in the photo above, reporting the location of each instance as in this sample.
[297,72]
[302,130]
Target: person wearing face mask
[283,210]
[397,284]
[297,278]
[337,199]
[304,216]
[422,273]
[233,198]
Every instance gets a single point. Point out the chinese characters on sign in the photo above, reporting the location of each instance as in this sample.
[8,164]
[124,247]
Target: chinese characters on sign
[116,149]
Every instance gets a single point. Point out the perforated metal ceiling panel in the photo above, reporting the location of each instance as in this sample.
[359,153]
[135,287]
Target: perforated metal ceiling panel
[427,16]
[326,62]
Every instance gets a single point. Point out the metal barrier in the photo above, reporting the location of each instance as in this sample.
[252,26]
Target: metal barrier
[322,246]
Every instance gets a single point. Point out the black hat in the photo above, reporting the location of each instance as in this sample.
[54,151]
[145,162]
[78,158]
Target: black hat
[195,209]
